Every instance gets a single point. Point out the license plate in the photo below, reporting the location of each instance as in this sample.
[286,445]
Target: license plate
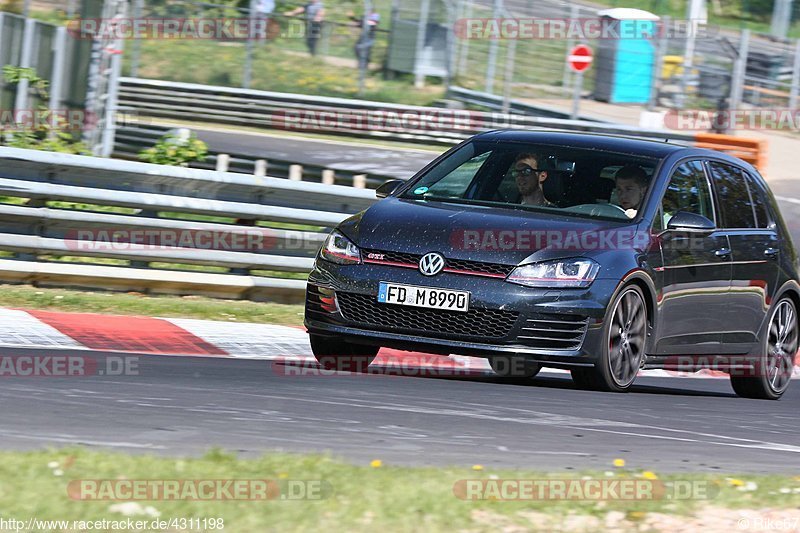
[430,298]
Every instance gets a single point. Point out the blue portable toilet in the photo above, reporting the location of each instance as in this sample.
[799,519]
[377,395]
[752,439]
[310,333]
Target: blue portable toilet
[625,56]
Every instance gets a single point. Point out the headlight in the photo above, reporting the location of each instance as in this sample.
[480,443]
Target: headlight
[561,274]
[339,249]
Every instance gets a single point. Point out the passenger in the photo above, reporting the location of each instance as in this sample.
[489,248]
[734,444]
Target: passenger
[631,181]
[529,178]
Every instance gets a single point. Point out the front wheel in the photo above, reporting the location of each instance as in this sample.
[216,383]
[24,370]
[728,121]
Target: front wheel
[773,371]
[622,354]
[334,353]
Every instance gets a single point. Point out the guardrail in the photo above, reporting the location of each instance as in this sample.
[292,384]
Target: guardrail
[71,220]
[130,140]
[356,118]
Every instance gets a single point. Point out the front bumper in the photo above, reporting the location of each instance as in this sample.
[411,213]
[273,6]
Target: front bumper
[555,327]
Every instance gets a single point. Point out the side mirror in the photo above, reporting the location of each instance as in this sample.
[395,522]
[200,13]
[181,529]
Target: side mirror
[388,188]
[685,221]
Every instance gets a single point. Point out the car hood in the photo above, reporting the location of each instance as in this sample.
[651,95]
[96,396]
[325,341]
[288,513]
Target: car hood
[480,233]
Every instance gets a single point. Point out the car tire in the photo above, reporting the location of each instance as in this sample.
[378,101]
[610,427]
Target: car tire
[622,353]
[773,371]
[514,367]
[334,353]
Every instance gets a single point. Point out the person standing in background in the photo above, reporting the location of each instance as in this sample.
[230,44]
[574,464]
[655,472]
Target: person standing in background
[315,13]
[363,47]
[263,9]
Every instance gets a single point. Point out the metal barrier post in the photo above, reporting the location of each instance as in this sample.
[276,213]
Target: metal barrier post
[261,168]
[296,172]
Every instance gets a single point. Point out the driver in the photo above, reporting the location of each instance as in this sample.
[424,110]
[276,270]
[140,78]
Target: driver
[631,182]
[529,178]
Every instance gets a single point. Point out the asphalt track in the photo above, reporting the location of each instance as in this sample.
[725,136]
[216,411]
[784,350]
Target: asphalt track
[351,157]
[184,405]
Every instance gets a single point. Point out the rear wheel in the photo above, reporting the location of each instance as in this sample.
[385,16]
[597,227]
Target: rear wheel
[334,353]
[514,367]
[773,371]
[625,333]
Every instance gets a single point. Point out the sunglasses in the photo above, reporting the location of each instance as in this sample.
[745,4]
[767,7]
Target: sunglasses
[524,171]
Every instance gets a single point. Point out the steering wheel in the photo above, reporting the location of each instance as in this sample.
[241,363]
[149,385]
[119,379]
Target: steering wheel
[599,210]
[612,210]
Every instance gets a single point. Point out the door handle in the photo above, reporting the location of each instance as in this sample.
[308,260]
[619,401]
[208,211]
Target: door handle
[723,252]
[771,252]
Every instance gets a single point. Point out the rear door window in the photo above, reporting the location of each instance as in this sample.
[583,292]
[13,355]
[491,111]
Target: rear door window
[736,203]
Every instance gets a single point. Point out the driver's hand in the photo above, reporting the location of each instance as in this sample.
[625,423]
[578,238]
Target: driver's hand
[631,213]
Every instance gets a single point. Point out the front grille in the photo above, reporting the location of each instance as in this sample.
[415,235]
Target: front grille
[462,266]
[550,331]
[475,323]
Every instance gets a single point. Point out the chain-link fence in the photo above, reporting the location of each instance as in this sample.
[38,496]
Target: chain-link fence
[678,64]
[221,60]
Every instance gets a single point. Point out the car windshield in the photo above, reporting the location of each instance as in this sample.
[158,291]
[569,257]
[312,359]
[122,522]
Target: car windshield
[564,180]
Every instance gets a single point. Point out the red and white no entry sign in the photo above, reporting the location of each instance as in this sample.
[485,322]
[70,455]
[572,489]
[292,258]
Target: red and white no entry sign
[580,58]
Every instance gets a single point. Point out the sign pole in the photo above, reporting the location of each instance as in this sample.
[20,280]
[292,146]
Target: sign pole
[579,59]
[576,95]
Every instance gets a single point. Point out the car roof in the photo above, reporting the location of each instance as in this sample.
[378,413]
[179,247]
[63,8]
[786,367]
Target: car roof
[649,148]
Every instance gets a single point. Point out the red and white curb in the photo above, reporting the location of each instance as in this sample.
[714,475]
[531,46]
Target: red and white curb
[190,337]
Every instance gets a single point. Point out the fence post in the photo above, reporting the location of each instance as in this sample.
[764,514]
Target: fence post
[574,14]
[509,75]
[492,61]
[21,101]
[462,63]
[57,81]
[328,176]
[136,45]
[223,161]
[248,54]
[422,30]
[360,181]
[795,76]
[739,71]
[658,65]
[261,168]
[296,172]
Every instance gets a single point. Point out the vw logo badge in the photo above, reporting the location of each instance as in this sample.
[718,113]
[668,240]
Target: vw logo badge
[431,264]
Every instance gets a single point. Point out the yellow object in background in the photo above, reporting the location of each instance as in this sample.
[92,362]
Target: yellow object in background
[673,66]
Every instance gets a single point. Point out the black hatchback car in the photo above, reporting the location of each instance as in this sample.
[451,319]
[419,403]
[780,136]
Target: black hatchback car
[598,254]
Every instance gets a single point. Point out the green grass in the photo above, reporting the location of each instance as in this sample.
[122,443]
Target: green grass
[358,497]
[274,68]
[27,297]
